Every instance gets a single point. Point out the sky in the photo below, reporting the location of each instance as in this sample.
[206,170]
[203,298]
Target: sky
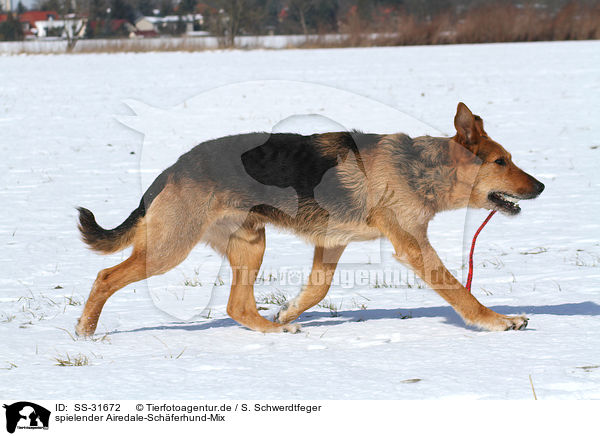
[28,3]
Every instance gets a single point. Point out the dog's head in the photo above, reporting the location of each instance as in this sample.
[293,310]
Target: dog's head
[498,184]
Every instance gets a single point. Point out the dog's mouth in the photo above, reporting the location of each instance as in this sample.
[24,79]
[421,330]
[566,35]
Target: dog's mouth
[504,202]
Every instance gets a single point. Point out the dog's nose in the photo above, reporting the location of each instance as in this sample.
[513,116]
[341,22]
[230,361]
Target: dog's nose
[539,186]
[536,186]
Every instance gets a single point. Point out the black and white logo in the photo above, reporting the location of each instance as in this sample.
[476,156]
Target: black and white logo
[26,415]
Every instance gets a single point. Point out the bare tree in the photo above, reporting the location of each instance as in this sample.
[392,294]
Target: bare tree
[73,33]
[71,13]
[301,7]
[237,16]
[228,20]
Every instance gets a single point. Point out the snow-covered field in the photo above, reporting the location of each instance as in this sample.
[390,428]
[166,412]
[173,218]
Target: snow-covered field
[64,144]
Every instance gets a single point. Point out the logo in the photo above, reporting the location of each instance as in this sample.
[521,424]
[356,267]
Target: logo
[25,415]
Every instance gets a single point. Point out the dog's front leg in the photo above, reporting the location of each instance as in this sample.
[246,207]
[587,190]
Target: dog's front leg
[413,248]
[319,281]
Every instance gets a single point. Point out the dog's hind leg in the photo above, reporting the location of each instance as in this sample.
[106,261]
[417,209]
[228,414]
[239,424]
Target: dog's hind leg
[163,239]
[108,282]
[319,281]
[245,253]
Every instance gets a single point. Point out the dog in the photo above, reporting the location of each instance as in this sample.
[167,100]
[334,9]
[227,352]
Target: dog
[330,189]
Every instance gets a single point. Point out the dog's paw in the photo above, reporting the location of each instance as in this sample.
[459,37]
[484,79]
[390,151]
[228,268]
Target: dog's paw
[503,322]
[283,316]
[84,330]
[290,328]
[516,322]
[280,318]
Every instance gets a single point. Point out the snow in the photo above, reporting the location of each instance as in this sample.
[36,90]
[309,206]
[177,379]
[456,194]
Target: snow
[65,143]
[192,41]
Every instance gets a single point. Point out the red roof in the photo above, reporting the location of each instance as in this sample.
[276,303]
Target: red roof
[32,16]
[114,24]
[146,33]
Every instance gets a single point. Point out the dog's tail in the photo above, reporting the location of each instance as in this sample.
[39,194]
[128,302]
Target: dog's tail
[111,241]
[107,241]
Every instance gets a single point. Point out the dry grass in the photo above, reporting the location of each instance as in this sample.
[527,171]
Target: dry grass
[78,360]
[491,22]
[333,308]
[277,298]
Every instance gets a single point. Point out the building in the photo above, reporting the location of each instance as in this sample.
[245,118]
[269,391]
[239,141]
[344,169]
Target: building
[71,24]
[29,18]
[169,24]
[110,28]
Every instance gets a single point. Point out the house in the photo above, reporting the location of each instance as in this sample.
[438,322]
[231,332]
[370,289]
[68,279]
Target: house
[111,28]
[146,24]
[171,24]
[71,24]
[29,18]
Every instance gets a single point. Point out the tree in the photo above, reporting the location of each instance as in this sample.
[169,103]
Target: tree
[187,6]
[21,8]
[299,9]
[120,9]
[146,7]
[235,17]
[325,15]
[229,19]
[315,15]
[11,30]
[72,26]
[96,12]
[48,5]
[166,7]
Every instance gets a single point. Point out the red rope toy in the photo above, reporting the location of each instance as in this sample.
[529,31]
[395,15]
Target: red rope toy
[470,276]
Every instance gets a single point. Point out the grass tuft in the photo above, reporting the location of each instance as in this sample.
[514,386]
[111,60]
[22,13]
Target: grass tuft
[78,360]
[332,307]
[277,297]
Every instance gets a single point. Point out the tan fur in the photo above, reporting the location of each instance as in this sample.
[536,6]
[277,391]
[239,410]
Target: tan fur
[324,263]
[395,187]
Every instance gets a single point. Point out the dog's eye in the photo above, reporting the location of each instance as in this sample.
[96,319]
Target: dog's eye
[500,161]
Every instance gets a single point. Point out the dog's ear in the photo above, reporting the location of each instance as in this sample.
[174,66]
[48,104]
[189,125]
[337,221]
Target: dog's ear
[467,131]
[479,126]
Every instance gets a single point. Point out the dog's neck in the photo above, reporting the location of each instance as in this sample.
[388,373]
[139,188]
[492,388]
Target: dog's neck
[466,166]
